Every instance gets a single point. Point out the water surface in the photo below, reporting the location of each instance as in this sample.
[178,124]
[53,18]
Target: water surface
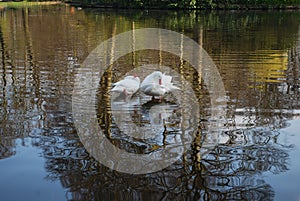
[255,156]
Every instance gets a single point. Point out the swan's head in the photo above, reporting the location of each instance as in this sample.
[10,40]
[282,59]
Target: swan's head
[157,75]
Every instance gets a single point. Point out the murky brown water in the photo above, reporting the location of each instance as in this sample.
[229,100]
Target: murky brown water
[256,147]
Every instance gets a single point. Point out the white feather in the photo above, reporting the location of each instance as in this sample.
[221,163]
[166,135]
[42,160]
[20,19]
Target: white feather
[129,85]
[151,86]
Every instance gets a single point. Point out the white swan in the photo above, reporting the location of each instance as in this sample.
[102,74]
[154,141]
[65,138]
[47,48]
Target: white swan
[157,84]
[128,86]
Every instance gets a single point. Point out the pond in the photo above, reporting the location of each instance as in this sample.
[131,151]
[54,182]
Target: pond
[241,144]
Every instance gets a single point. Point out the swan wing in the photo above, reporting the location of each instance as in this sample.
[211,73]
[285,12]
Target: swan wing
[167,82]
[129,85]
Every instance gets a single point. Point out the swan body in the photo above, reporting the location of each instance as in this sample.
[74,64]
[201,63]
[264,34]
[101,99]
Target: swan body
[157,84]
[129,85]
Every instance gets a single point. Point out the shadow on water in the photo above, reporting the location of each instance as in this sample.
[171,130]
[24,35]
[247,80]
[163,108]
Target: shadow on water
[38,65]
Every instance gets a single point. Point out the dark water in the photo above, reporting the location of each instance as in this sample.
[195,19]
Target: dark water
[255,154]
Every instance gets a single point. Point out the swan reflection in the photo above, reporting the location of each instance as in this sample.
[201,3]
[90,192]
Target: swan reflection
[149,121]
